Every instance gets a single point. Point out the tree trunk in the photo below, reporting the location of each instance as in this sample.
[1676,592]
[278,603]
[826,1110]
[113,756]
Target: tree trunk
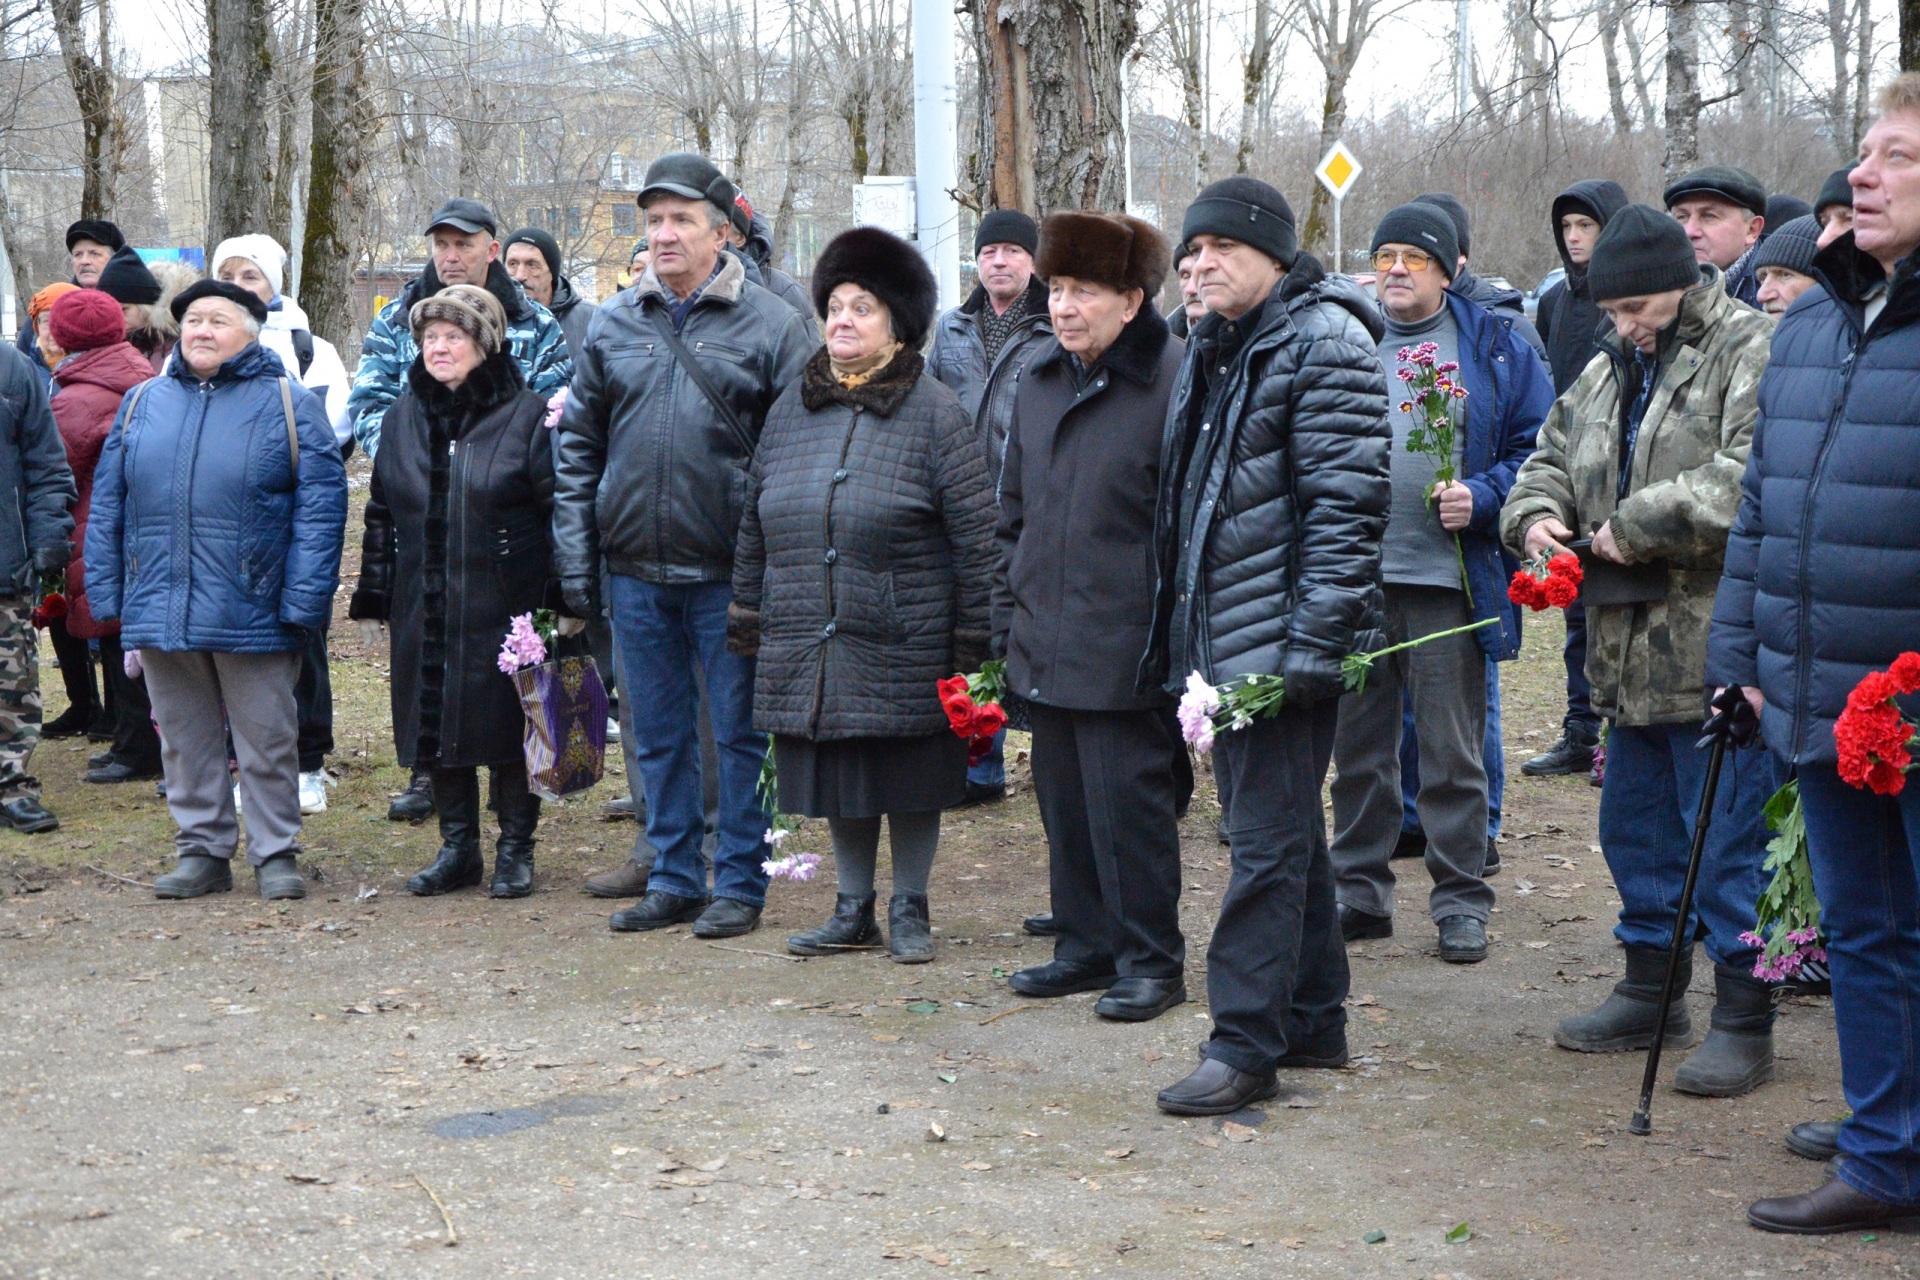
[1683,89]
[1052,76]
[1253,82]
[1616,83]
[1317,236]
[1910,35]
[93,90]
[1637,63]
[292,80]
[1862,71]
[343,123]
[1838,114]
[240,65]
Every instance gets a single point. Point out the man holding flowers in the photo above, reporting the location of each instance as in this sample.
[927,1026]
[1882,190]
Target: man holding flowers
[1470,395]
[1644,454]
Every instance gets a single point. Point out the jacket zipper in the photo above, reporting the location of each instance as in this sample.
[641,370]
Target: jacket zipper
[826,520]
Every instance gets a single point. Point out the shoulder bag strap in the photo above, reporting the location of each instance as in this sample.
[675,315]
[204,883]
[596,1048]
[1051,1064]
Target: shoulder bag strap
[293,435]
[303,350]
[700,378]
[133,403]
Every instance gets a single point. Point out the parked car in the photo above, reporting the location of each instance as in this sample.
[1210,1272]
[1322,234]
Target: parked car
[1532,300]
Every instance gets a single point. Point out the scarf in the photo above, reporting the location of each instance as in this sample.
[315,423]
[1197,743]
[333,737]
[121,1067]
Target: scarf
[858,371]
[996,329]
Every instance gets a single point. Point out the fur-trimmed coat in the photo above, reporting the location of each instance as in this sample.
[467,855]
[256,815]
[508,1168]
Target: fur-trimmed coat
[458,541]
[865,557]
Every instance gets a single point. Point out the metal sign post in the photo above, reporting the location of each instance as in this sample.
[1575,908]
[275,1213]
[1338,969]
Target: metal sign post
[1337,171]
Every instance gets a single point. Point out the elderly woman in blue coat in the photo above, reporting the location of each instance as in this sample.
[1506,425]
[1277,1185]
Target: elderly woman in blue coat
[219,509]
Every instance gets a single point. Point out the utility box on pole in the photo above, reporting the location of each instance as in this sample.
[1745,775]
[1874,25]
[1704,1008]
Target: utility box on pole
[936,128]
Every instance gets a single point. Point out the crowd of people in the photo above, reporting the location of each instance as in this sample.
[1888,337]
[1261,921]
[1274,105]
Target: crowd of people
[787,513]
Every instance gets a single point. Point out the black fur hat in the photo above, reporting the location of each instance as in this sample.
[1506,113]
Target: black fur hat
[1107,248]
[887,267]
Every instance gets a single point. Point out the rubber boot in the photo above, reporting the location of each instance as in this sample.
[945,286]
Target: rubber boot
[909,934]
[519,812]
[456,798]
[1625,1020]
[1737,1056]
[851,927]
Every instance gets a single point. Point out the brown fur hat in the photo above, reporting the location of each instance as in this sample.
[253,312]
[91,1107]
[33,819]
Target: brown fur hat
[1107,248]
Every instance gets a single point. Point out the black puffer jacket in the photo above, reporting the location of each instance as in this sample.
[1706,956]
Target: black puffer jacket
[457,543]
[1274,492]
[1569,320]
[866,555]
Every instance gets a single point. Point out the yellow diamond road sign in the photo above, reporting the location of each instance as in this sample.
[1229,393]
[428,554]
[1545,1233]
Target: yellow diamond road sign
[1337,170]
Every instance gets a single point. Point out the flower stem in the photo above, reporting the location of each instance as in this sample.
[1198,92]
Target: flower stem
[1460,555]
[1438,635]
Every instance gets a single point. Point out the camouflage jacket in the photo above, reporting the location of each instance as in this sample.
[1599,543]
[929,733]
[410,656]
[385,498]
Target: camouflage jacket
[1647,662]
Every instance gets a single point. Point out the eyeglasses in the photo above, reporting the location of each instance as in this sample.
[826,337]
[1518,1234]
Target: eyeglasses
[1413,258]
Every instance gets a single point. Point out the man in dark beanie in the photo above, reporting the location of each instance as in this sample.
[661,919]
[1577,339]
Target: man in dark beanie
[979,349]
[1479,289]
[532,257]
[127,281]
[1274,492]
[1644,454]
[1784,264]
[1724,211]
[1782,209]
[1833,209]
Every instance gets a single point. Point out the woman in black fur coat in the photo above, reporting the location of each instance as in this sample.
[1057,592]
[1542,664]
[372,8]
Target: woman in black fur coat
[457,543]
[861,579]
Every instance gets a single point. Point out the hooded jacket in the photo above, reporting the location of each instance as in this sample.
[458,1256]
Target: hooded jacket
[533,336]
[325,376]
[1570,321]
[1274,492]
[202,537]
[1822,581]
[758,257]
[959,359]
[88,390]
[1647,661]
[573,312]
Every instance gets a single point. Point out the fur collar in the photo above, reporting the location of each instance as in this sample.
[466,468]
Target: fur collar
[727,286]
[1134,355]
[496,381]
[882,394]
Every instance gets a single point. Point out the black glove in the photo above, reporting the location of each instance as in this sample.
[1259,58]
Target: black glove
[997,646]
[1312,675]
[1733,721]
[582,595]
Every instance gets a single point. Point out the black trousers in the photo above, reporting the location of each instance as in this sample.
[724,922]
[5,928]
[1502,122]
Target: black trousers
[135,741]
[1104,781]
[1277,976]
[313,702]
[76,668]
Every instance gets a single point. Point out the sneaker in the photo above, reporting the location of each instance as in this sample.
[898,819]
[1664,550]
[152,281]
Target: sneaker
[236,799]
[313,791]
[613,728]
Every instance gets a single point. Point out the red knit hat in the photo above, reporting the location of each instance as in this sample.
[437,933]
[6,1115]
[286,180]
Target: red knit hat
[85,319]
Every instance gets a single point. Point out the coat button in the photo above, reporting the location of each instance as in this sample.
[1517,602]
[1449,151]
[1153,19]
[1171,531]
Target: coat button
[1033,693]
[840,475]
[832,555]
[826,632]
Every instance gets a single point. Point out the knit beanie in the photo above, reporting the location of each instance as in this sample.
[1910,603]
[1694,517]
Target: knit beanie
[1782,209]
[42,302]
[263,251]
[84,319]
[1424,226]
[548,247]
[1006,226]
[1457,212]
[473,309]
[1791,246]
[1247,210]
[126,279]
[1640,250]
[1835,190]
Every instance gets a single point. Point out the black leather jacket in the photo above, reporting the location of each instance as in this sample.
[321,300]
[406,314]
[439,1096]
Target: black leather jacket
[1271,565]
[647,472]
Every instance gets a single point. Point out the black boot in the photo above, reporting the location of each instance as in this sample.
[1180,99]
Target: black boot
[72,722]
[519,813]
[1626,1019]
[851,926]
[456,796]
[415,804]
[909,933]
[1737,1056]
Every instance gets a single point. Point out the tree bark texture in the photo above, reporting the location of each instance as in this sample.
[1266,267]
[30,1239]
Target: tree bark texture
[1683,89]
[240,163]
[1910,35]
[343,123]
[93,90]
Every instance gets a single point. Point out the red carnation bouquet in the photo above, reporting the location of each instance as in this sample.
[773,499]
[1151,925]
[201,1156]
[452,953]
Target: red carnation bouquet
[1547,582]
[972,704]
[53,601]
[1876,742]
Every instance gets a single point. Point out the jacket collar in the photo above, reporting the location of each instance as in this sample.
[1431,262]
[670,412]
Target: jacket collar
[116,367]
[1306,284]
[1134,355]
[725,287]
[513,299]
[1701,311]
[564,297]
[1036,300]
[1849,274]
[496,381]
[253,361]
[882,394]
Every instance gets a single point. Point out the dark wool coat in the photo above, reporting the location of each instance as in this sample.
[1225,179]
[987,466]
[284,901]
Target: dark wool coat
[866,555]
[458,541]
[88,389]
[1074,596]
[1822,581]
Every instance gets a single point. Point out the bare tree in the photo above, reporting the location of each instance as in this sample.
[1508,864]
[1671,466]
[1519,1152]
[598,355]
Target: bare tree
[1610,13]
[1337,31]
[1255,92]
[91,73]
[240,66]
[343,126]
[1909,35]
[1683,88]
[1178,44]
[292,83]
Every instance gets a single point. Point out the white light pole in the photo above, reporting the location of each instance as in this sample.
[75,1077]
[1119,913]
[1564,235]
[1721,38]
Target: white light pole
[936,125]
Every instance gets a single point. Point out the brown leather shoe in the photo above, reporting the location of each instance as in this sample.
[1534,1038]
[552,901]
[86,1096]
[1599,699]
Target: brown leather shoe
[628,880]
[1831,1209]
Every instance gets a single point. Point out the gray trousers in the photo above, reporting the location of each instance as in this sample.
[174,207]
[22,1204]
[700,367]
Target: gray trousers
[1447,680]
[255,690]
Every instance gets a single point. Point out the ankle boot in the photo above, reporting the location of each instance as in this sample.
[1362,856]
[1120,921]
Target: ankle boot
[1625,1020]
[519,813]
[909,933]
[456,798]
[852,925]
[1737,1056]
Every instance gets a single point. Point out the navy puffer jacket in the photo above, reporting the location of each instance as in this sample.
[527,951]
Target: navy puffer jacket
[1822,578]
[202,539]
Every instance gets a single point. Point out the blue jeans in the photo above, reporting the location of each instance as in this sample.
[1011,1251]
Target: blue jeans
[992,769]
[1493,754]
[1647,809]
[663,632]
[1864,849]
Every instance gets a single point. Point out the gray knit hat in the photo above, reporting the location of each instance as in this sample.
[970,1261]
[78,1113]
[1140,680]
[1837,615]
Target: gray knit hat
[1792,246]
[473,309]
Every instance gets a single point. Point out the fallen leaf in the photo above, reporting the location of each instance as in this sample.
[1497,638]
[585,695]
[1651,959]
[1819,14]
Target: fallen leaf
[1460,1234]
[1233,1132]
[1119,1153]
[1724,1195]
[1293,1243]
[949,1077]
[978,1166]
[1374,1237]
[1594,1142]
[887,1037]
[806,1071]
[1419,1064]
[935,1133]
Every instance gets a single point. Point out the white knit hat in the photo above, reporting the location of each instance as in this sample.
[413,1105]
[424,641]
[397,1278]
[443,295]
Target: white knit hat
[263,251]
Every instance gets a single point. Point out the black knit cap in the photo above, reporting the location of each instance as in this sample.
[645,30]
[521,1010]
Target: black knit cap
[1791,245]
[126,279]
[1641,250]
[548,247]
[1736,186]
[1462,224]
[1006,226]
[1782,209]
[1424,226]
[1247,210]
[245,299]
[887,267]
[1835,190]
[98,230]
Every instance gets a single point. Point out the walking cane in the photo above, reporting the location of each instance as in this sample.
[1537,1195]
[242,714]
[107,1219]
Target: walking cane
[1733,723]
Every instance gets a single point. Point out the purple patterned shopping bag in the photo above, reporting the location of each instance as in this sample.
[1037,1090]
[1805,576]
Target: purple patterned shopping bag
[566,742]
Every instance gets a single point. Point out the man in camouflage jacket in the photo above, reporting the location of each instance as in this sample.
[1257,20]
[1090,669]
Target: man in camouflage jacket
[1645,454]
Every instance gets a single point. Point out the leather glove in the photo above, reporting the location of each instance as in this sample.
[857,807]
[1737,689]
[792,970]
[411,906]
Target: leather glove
[371,633]
[569,627]
[1733,721]
[997,647]
[582,595]
[1312,675]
